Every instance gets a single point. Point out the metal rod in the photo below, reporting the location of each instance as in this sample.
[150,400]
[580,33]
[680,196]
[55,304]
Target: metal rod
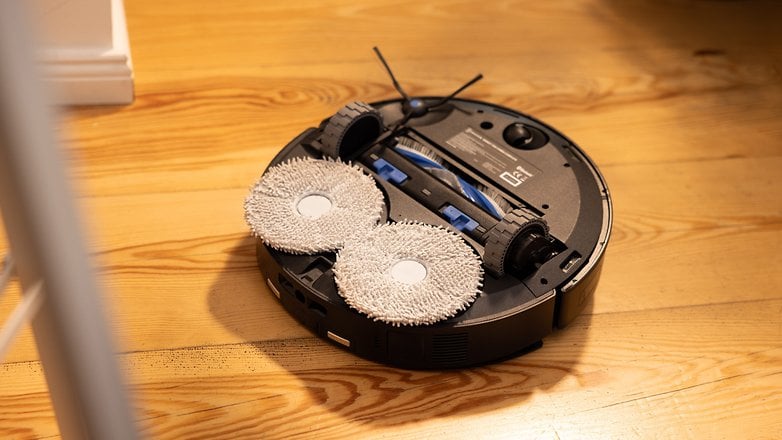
[6,273]
[72,335]
[24,311]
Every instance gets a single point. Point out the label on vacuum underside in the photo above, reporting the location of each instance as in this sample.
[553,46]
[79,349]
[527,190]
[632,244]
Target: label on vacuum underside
[492,159]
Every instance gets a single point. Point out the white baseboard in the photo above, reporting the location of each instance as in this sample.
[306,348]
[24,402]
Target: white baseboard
[89,76]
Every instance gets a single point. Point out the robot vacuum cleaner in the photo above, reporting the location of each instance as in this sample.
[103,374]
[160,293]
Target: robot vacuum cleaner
[431,232]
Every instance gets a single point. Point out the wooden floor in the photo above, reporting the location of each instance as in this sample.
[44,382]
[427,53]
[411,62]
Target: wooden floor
[679,103]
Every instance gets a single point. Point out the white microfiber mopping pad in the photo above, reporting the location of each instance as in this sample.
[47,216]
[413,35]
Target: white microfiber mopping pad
[307,206]
[408,274]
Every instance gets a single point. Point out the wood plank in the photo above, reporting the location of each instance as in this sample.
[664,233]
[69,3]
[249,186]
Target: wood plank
[185,149]
[619,374]
[679,103]
[714,227]
[298,34]
[270,103]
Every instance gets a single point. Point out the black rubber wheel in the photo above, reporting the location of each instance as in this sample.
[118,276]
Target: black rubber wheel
[504,235]
[352,127]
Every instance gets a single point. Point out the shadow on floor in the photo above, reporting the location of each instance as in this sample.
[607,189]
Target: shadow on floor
[367,392]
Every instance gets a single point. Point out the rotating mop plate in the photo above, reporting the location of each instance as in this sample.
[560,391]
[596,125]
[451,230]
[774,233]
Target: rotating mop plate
[307,206]
[408,274]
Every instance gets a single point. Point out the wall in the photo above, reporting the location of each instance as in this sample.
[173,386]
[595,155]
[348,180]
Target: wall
[85,50]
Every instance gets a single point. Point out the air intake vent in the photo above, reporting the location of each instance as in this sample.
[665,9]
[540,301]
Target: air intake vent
[449,348]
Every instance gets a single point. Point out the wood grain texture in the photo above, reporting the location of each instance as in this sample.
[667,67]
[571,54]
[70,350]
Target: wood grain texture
[679,103]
